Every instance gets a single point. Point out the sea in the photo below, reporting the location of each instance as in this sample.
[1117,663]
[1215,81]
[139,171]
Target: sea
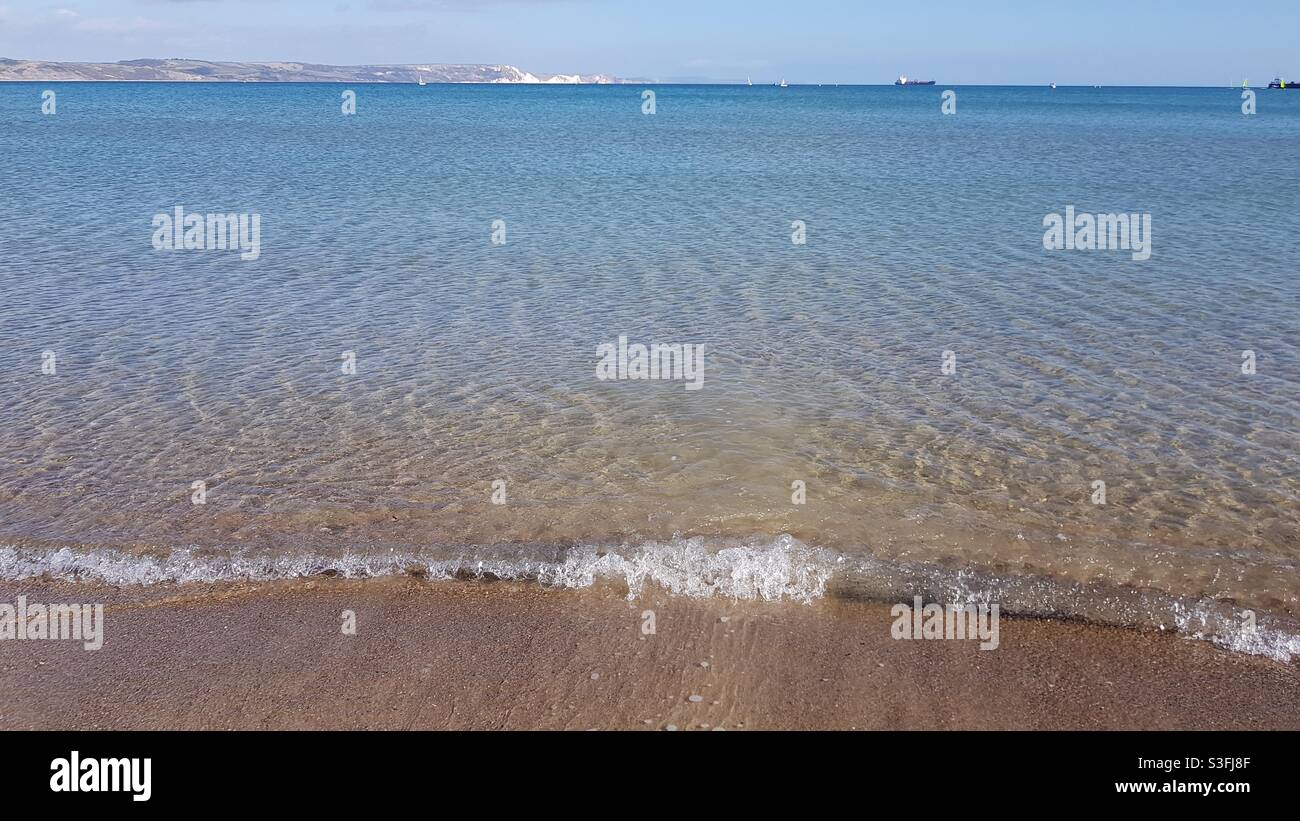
[879,373]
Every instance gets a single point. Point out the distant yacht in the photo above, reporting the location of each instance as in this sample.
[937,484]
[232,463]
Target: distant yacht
[904,81]
[420,80]
[748,81]
[1280,82]
[1053,86]
[783,84]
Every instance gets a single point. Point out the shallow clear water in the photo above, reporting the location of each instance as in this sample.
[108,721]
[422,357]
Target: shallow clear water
[477,362]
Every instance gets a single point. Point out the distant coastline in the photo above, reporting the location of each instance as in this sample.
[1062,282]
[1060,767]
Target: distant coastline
[183,70]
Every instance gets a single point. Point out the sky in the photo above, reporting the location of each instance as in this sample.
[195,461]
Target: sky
[956,42]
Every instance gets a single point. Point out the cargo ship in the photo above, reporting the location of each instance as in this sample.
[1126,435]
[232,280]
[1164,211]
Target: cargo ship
[903,80]
[1278,82]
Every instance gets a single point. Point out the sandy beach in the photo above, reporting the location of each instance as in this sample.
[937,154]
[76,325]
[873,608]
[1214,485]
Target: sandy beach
[495,655]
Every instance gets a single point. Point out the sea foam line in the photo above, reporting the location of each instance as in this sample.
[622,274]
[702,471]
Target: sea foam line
[781,569]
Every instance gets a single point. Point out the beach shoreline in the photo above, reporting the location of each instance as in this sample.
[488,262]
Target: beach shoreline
[508,655]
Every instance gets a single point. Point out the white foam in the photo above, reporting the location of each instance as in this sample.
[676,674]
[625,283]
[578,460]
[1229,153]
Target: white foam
[781,569]
[1232,631]
[778,569]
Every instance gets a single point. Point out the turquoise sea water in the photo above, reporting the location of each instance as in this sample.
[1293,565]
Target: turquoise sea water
[476,362]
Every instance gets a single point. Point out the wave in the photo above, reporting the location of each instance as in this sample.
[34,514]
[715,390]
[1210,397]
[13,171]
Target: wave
[783,569]
[779,569]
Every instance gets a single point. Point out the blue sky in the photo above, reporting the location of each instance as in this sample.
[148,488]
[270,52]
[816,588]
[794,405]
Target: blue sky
[1141,42]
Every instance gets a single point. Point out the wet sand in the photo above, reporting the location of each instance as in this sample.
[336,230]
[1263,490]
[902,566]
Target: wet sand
[483,655]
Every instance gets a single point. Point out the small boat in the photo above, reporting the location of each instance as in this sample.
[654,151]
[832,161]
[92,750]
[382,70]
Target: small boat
[783,84]
[421,81]
[903,80]
[749,81]
[1053,86]
[1279,82]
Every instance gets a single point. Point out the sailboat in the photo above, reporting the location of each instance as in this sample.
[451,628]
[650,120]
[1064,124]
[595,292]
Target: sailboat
[749,81]
[421,81]
[783,84]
